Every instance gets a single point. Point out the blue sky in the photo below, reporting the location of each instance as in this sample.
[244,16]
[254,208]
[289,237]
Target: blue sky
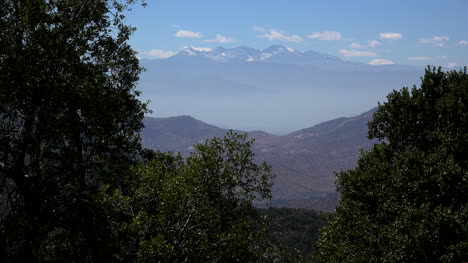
[371,31]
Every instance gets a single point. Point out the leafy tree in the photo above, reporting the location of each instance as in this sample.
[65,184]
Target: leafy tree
[196,210]
[407,199]
[69,122]
[294,229]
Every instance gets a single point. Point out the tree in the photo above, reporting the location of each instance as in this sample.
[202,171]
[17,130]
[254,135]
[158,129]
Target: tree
[69,123]
[407,199]
[196,210]
[295,229]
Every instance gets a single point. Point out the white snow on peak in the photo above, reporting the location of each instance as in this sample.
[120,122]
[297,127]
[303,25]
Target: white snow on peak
[200,49]
[203,49]
[265,56]
[220,54]
[279,49]
[282,49]
[290,49]
[189,52]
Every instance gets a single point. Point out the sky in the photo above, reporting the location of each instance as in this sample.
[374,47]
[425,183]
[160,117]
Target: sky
[412,32]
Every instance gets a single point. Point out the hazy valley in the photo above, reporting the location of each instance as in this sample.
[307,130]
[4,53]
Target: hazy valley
[304,160]
[278,89]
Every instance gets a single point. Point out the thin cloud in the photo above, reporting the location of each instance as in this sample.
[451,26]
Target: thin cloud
[390,35]
[357,53]
[426,58]
[156,54]
[370,44]
[378,62]
[419,58]
[326,35]
[258,29]
[374,43]
[188,34]
[462,43]
[435,41]
[277,35]
[221,39]
[356,45]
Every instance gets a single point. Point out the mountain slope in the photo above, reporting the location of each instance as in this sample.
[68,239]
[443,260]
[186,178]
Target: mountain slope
[177,134]
[304,160]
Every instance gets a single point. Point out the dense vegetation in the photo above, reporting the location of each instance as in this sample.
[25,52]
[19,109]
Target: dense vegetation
[406,201]
[295,230]
[69,126]
[197,209]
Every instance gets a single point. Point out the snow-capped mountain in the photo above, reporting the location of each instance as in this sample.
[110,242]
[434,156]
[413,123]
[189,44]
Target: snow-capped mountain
[277,54]
[239,54]
[220,54]
[187,54]
[273,54]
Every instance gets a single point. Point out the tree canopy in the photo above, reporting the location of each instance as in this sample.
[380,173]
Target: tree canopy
[196,210]
[69,124]
[406,201]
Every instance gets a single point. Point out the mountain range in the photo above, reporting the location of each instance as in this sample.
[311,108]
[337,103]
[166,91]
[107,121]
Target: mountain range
[276,54]
[277,89]
[304,160]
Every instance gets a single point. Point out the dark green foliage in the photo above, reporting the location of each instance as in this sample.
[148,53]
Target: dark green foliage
[196,210]
[406,201]
[295,229]
[69,123]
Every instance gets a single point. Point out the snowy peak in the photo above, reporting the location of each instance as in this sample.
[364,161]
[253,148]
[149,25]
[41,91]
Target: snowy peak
[186,53]
[275,54]
[189,51]
[279,49]
[194,51]
[220,54]
[239,54]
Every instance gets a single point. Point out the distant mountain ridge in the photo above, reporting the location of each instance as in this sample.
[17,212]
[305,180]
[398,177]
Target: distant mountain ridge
[279,54]
[303,160]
